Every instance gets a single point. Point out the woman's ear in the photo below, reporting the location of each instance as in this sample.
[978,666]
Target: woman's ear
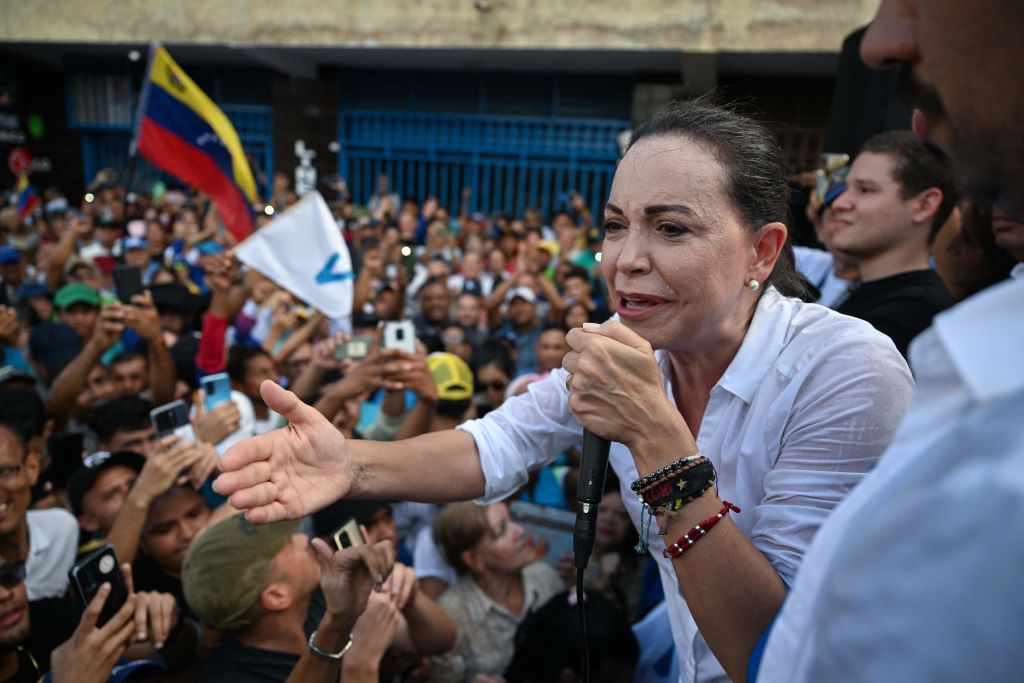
[767,246]
[470,559]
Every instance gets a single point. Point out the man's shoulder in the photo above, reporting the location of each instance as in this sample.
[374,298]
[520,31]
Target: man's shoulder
[914,291]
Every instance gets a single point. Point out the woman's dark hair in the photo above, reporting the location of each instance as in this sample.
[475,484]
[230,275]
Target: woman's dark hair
[756,180]
[547,643]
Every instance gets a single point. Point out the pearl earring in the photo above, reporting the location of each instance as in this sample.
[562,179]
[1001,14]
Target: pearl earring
[754,285]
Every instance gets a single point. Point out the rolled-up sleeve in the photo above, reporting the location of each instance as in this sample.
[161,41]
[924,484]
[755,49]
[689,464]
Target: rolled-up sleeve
[527,432]
[843,405]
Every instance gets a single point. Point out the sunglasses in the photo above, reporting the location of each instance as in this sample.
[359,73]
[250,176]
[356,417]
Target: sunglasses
[12,574]
[494,385]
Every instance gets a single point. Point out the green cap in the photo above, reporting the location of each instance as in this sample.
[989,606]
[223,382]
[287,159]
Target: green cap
[76,293]
[225,568]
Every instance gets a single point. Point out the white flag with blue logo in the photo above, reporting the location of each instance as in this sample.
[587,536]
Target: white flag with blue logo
[303,251]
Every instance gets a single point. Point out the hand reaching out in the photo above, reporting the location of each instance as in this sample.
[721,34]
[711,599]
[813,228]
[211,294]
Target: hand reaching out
[287,473]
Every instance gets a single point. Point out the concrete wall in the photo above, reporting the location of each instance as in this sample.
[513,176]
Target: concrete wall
[690,25]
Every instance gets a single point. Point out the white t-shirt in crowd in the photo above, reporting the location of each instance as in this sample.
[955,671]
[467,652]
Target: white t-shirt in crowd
[803,411]
[916,576]
[52,546]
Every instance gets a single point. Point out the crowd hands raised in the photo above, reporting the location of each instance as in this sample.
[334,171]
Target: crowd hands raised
[83,466]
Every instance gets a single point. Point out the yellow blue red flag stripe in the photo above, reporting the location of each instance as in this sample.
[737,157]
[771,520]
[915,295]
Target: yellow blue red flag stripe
[179,129]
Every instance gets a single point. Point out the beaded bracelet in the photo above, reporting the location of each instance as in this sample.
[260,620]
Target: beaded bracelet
[687,540]
[654,477]
[681,485]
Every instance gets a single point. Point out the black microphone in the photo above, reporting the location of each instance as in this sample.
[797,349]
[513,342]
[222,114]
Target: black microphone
[593,469]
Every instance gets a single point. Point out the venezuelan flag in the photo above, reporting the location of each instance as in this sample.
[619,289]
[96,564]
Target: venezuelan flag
[28,198]
[179,129]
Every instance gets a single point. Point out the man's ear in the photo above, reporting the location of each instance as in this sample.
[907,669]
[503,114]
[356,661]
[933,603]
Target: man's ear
[32,468]
[768,243]
[926,204]
[277,596]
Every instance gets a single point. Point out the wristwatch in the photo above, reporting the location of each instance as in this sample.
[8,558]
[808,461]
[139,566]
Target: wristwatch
[332,656]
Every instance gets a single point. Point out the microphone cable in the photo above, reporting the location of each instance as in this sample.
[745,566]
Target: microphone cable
[581,612]
[593,470]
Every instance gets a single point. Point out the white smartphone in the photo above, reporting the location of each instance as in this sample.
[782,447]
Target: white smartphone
[400,334]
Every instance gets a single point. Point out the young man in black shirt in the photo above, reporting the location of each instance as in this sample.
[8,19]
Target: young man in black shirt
[899,193]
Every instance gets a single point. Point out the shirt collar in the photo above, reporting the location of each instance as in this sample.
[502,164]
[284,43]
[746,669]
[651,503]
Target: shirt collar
[761,346]
[984,336]
[479,603]
[1018,271]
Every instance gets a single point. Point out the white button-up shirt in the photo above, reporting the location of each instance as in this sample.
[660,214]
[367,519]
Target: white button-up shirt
[917,575]
[810,401]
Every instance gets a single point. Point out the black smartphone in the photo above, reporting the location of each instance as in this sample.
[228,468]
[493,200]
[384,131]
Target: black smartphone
[172,418]
[348,535]
[127,282]
[95,570]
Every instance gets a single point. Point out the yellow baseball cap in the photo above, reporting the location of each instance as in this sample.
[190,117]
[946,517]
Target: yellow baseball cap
[453,377]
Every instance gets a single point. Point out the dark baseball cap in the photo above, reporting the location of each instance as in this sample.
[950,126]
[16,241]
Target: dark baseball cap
[82,479]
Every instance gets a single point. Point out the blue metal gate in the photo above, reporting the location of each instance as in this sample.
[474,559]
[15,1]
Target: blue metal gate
[109,148]
[509,162]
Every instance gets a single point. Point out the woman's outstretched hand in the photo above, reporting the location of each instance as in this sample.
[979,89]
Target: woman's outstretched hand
[290,472]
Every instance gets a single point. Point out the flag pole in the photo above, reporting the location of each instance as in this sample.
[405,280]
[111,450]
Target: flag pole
[140,108]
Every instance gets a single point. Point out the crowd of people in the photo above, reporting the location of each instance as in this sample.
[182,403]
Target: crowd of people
[835,426]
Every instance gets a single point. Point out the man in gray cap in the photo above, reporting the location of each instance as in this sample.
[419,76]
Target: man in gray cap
[254,583]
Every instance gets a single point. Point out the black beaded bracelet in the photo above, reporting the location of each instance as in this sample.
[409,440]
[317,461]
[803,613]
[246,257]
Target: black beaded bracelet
[683,485]
[681,463]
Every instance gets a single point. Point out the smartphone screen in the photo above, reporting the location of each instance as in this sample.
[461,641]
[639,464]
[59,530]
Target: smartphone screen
[172,418]
[348,535]
[127,282]
[217,389]
[98,568]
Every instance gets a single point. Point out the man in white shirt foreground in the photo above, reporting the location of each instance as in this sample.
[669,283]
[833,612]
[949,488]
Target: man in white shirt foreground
[916,576]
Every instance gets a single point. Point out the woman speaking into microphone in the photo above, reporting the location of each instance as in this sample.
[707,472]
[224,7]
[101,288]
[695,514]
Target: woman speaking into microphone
[712,384]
